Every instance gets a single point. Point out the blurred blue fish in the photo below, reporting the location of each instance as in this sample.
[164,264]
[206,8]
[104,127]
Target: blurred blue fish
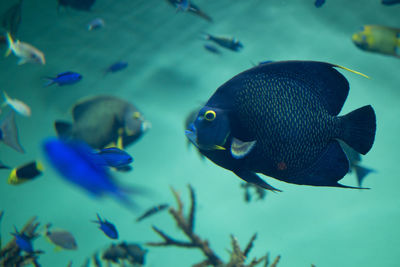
[212,48]
[319,3]
[76,162]
[23,241]
[230,43]
[107,227]
[117,66]
[115,157]
[95,24]
[64,78]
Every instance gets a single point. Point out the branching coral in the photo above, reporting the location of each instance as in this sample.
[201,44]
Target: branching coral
[238,257]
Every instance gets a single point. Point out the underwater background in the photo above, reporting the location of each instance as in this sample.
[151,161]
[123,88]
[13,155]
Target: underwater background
[170,74]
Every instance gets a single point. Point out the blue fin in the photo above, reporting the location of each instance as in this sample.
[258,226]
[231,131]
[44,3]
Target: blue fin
[359,128]
[361,173]
[253,178]
[332,166]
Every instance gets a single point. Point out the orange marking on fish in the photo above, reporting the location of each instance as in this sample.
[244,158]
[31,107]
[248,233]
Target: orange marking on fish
[281,166]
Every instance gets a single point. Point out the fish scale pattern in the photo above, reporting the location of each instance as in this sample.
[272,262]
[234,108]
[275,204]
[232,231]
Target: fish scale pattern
[288,120]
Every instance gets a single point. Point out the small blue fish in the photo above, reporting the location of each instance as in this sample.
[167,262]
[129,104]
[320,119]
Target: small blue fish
[212,49]
[64,78]
[96,24]
[117,66]
[182,5]
[107,228]
[22,241]
[115,157]
[226,42]
[319,3]
[76,162]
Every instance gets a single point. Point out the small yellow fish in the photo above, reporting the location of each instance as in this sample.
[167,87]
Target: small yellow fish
[25,173]
[17,105]
[25,52]
[378,39]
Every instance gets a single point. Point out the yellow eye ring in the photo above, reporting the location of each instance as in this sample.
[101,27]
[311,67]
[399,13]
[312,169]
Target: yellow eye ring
[210,115]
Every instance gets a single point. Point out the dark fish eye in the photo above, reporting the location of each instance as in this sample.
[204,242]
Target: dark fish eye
[210,115]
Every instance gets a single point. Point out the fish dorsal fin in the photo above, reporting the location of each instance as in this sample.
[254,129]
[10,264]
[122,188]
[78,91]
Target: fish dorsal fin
[63,128]
[80,108]
[240,149]
[320,77]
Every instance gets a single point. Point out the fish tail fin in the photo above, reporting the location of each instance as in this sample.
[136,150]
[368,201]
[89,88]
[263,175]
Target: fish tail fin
[10,132]
[359,127]
[63,129]
[49,81]
[6,98]
[361,173]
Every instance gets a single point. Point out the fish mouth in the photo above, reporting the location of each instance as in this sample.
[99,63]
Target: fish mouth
[191,134]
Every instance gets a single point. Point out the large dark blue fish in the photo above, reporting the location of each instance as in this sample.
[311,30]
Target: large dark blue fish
[76,162]
[64,78]
[115,157]
[22,241]
[281,119]
[9,132]
[107,227]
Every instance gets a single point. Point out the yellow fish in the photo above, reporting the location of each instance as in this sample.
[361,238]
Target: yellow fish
[378,39]
[25,173]
[25,52]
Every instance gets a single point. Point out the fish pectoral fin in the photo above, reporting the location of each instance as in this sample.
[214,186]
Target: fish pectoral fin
[8,52]
[240,149]
[253,178]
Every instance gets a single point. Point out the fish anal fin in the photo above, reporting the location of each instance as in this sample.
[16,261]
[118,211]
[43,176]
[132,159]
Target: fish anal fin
[253,178]
[332,166]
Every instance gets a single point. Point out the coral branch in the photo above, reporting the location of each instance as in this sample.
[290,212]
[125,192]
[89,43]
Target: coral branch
[249,245]
[192,208]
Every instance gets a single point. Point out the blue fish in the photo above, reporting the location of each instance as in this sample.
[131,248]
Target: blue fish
[76,162]
[23,241]
[117,66]
[115,157]
[319,3]
[212,49]
[182,5]
[281,119]
[226,42]
[108,228]
[64,78]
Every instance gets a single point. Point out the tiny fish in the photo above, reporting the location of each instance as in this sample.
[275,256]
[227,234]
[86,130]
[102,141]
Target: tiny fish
[9,132]
[75,161]
[107,227]
[192,8]
[115,157]
[64,78]
[226,42]
[212,49]
[25,52]
[117,66]
[182,5]
[25,173]
[319,3]
[22,241]
[152,211]
[390,2]
[17,105]
[61,238]
[95,24]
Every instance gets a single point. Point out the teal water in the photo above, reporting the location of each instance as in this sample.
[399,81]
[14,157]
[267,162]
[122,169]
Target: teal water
[169,74]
